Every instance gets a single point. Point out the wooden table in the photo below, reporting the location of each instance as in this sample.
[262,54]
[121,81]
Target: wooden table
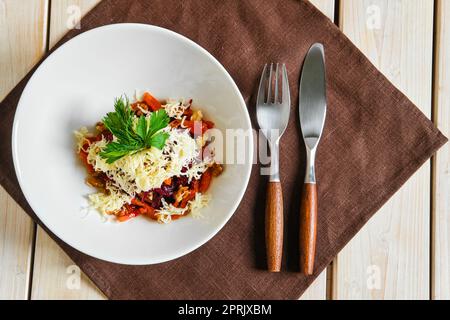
[402,253]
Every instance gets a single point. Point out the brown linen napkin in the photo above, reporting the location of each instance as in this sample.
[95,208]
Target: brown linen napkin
[374,140]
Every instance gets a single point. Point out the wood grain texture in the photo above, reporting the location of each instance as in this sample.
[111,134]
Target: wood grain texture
[318,289]
[389,258]
[326,6]
[65,15]
[55,275]
[274,226]
[441,162]
[23,29]
[16,241]
[22,42]
[308,228]
[386,247]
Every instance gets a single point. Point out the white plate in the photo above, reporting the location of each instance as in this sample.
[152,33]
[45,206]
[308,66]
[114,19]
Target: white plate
[76,86]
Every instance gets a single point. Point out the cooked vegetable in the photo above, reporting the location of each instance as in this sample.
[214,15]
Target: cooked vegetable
[146,160]
[152,102]
[205,181]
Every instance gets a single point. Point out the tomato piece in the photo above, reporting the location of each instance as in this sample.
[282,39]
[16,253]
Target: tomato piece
[195,185]
[205,181]
[194,127]
[124,218]
[188,113]
[209,124]
[83,156]
[134,213]
[144,208]
[137,202]
[175,123]
[187,198]
[151,101]
[150,212]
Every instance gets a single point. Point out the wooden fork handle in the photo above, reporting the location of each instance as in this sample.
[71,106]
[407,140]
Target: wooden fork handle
[274,226]
[308,228]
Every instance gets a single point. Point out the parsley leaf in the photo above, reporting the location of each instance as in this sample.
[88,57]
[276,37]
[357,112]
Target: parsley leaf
[158,120]
[141,128]
[132,138]
[114,151]
[120,122]
[158,139]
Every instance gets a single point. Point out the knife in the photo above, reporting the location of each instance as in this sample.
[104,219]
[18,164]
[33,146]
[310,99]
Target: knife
[312,111]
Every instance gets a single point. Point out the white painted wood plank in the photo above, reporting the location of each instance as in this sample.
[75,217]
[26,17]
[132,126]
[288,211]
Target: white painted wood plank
[318,290]
[22,38]
[326,6]
[389,258]
[55,275]
[23,27]
[441,205]
[16,240]
[65,15]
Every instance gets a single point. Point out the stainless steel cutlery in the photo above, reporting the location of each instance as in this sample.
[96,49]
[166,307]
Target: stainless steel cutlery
[312,111]
[273,108]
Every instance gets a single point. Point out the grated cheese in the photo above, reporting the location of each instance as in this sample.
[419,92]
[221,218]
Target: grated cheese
[81,138]
[200,201]
[147,169]
[108,203]
[176,108]
[167,210]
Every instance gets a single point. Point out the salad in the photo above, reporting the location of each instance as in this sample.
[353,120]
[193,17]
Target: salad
[149,158]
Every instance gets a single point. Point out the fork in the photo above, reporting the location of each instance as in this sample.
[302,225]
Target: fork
[272,112]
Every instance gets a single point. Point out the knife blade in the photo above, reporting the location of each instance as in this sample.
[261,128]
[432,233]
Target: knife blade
[312,113]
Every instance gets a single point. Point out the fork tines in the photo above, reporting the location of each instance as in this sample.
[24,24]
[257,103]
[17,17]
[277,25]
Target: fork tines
[269,80]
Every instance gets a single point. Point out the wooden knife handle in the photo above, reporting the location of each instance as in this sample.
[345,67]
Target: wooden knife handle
[274,226]
[308,228]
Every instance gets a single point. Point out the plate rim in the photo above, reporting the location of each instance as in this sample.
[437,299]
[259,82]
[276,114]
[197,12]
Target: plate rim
[144,260]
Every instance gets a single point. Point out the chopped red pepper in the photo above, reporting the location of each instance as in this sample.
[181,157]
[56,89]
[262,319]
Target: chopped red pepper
[83,156]
[196,126]
[151,101]
[144,208]
[186,199]
[175,123]
[209,124]
[205,181]
[195,185]
[126,217]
